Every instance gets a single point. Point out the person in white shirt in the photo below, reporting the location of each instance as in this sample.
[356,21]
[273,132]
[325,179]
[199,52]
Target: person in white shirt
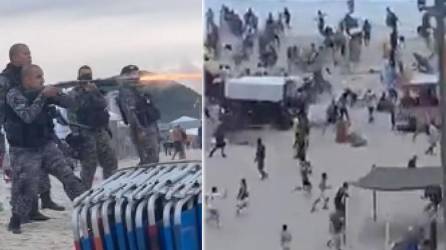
[370,99]
[214,213]
[433,138]
[323,186]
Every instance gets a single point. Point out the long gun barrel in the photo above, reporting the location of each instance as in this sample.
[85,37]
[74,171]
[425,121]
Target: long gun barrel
[55,114]
[107,82]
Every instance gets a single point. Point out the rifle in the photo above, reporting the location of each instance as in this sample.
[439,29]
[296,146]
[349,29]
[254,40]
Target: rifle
[106,82]
[55,114]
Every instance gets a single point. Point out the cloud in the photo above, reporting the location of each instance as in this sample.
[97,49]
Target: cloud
[100,7]
[107,35]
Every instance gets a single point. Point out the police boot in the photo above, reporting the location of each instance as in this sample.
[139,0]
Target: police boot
[35,215]
[48,203]
[14,224]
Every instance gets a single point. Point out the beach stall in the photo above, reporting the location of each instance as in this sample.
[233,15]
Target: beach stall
[191,127]
[419,99]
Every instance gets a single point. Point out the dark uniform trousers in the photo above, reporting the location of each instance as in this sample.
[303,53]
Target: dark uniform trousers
[96,149]
[28,164]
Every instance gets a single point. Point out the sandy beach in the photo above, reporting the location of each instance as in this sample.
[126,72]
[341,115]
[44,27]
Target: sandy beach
[272,202]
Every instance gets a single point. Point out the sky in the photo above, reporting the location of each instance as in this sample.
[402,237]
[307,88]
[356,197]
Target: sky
[158,36]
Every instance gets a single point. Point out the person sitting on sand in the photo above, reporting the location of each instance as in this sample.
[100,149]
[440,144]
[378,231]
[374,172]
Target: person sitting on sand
[412,162]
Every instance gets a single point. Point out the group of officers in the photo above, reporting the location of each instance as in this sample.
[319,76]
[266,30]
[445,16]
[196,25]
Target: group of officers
[27,110]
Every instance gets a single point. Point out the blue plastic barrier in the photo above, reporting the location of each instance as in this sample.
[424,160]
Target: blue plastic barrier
[153,207]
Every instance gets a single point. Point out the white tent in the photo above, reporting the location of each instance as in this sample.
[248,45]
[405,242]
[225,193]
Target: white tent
[265,88]
[186,122]
[192,131]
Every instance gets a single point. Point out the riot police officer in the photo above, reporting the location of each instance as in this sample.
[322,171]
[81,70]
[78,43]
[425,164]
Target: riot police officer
[139,112]
[30,131]
[91,110]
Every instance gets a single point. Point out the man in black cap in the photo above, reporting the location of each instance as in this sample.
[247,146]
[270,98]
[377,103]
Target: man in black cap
[139,112]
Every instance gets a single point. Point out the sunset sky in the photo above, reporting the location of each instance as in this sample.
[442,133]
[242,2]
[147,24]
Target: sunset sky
[158,36]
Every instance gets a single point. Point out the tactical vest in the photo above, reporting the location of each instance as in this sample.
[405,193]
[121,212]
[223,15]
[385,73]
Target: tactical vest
[146,112]
[29,135]
[93,111]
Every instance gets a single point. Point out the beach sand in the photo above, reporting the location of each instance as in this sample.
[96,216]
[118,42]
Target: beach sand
[272,203]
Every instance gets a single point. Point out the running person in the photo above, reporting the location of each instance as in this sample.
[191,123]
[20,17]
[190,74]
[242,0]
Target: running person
[219,142]
[305,171]
[336,230]
[323,186]
[299,142]
[433,138]
[340,198]
[260,159]
[370,99]
[214,213]
[285,238]
[242,196]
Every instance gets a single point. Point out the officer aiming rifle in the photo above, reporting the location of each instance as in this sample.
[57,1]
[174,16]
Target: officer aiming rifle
[111,82]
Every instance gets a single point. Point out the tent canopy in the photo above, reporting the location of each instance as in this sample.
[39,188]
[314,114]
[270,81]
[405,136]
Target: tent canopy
[400,179]
[186,122]
[184,119]
[192,131]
